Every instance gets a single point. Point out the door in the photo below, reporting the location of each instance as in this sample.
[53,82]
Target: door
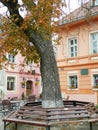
[29,87]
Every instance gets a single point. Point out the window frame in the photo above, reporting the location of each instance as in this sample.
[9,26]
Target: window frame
[72,46]
[15,79]
[94,86]
[94,2]
[12,58]
[91,43]
[70,86]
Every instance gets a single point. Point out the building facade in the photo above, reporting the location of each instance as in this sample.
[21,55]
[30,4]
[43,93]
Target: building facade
[19,79]
[77,55]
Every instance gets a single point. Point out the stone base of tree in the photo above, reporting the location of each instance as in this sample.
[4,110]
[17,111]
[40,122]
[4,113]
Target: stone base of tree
[52,104]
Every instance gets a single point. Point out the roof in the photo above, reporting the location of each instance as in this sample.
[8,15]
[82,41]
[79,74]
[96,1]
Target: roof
[85,11]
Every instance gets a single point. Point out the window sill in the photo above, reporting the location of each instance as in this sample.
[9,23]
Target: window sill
[11,91]
[72,89]
[95,88]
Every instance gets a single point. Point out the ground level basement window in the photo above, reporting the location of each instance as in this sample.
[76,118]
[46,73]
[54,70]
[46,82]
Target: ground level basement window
[95,81]
[73,82]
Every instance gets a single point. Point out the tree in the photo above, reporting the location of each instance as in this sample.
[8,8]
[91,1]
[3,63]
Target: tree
[32,36]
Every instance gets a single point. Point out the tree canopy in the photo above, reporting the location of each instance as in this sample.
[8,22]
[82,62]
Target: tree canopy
[39,19]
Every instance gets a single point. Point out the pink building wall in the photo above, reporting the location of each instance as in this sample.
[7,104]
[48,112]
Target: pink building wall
[20,73]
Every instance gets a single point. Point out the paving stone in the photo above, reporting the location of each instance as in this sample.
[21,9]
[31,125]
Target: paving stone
[73,126]
[81,126]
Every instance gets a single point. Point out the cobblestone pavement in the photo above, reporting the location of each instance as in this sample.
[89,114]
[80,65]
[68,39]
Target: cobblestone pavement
[2,116]
[1,122]
[80,126]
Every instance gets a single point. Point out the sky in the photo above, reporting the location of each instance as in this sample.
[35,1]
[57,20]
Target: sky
[72,3]
[3,9]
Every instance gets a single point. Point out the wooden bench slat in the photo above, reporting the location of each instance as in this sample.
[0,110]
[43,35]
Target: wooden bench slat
[68,117]
[33,113]
[53,112]
[37,117]
[53,117]
[42,123]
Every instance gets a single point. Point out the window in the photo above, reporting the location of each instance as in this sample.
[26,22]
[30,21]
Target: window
[73,82]
[94,43]
[94,2]
[10,83]
[95,80]
[11,58]
[72,47]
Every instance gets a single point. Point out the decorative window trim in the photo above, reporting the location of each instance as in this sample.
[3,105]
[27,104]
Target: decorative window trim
[74,73]
[68,46]
[90,43]
[15,83]
[94,86]
[11,60]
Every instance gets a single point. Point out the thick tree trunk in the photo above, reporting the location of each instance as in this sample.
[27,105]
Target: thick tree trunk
[51,94]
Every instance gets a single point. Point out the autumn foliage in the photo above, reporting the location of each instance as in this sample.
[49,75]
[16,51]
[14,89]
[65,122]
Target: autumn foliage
[41,17]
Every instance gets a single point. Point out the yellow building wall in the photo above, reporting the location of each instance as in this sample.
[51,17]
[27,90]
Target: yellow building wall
[83,60]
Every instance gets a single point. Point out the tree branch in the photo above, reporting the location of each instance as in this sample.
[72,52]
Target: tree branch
[37,40]
[13,7]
